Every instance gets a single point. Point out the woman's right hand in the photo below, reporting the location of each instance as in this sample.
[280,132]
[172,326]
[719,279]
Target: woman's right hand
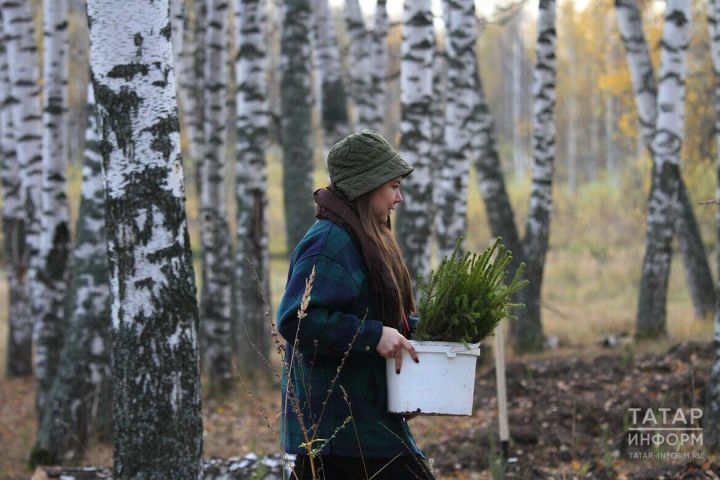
[392,343]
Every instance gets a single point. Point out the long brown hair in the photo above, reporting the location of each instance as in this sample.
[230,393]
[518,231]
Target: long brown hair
[383,237]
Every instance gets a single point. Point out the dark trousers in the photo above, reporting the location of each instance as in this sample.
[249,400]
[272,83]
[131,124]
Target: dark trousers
[338,467]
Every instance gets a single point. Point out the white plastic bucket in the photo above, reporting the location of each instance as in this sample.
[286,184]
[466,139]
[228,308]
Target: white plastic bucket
[441,384]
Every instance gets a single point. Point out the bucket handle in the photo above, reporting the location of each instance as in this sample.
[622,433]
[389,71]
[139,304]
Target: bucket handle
[453,352]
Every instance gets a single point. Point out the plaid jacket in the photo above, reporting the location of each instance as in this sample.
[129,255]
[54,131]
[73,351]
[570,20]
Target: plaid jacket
[341,306]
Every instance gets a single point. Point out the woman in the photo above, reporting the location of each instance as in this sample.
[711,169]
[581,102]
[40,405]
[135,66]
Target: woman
[358,315]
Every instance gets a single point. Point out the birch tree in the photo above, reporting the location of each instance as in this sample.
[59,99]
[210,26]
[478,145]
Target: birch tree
[333,101]
[519,150]
[177,21]
[215,299]
[19,338]
[711,422]
[188,80]
[79,401]
[697,270]
[197,114]
[452,174]
[437,117]
[155,360]
[54,246]
[252,256]
[416,74]
[665,145]
[182,58]
[379,66]
[19,37]
[360,65]
[296,120]
[527,330]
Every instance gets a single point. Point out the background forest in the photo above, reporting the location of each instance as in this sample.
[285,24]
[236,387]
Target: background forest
[250,169]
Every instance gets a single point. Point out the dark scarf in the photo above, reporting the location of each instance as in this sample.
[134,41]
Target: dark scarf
[334,206]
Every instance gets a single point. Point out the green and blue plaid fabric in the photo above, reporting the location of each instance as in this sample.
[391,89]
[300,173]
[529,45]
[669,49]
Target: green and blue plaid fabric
[340,307]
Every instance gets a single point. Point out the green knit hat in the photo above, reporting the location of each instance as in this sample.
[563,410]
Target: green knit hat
[361,162]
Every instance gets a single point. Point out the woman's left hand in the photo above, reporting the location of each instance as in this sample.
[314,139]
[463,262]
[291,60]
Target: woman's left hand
[392,343]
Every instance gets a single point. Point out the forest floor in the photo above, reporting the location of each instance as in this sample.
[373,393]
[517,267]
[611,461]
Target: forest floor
[569,418]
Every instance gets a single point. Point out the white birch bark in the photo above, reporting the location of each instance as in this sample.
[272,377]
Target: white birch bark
[215,298]
[451,178]
[527,330]
[197,114]
[177,20]
[19,33]
[54,245]
[155,360]
[359,47]
[188,79]
[332,98]
[296,119]
[639,63]
[379,66]
[437,114]
[711,414]
[416,75]
[79,401]
[252,255]
[182,59]
[665,146]
[19,339]
[519,151]
[697,269]
[273,39]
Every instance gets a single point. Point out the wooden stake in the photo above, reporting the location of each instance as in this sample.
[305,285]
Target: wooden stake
[501,389]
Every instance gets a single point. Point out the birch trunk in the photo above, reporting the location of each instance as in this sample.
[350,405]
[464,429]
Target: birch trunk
[438,110]
[519,154]
[197,143]
[359,49]
[19,37]
[155,361]
[215,298]
[491,182]
[379,66]
[332,96]
[273,41]
[711,422]
[416,75]
[527,330]
[19,339]
[177,19]
[252,257]
[452,175]
[182,60]
[665,146]
[54,247]
[296,121]
[80,398]
[188,81]
[697,269]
